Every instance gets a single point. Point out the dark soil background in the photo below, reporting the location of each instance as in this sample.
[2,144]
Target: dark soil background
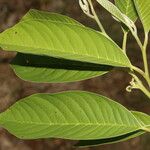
[112,85]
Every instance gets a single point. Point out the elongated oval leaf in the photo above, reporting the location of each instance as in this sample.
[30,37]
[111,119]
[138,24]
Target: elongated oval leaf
[127,7]
[62,40]
[70,115]
[143,9]
[47,69]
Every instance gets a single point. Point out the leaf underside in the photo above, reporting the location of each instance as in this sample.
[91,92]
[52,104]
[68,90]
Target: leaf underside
[49,35]
[62,40]
[52,35]
[70,115]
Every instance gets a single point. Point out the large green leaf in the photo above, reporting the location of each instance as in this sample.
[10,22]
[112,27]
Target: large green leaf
[70,115]
[127,7]
[143,9]
[59,39]
[47,69]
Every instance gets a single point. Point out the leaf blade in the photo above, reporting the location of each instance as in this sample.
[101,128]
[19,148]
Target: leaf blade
[42,116]
[64,40]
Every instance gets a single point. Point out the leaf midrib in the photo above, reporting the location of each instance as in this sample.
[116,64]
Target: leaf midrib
[73,124]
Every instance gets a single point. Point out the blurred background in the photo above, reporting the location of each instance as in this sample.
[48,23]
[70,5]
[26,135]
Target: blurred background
[112,85]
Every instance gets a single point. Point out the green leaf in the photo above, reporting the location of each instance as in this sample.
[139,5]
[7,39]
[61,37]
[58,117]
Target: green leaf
[127,7]
[47,69]
[143,10]
[70,115]
[111,8]
[65,40]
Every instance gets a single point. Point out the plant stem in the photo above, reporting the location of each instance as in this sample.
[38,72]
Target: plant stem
[140,86]
[137,39]
[144,90]
[146,129]
[142,73]
[125,33]
[145,55]
[96,17]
